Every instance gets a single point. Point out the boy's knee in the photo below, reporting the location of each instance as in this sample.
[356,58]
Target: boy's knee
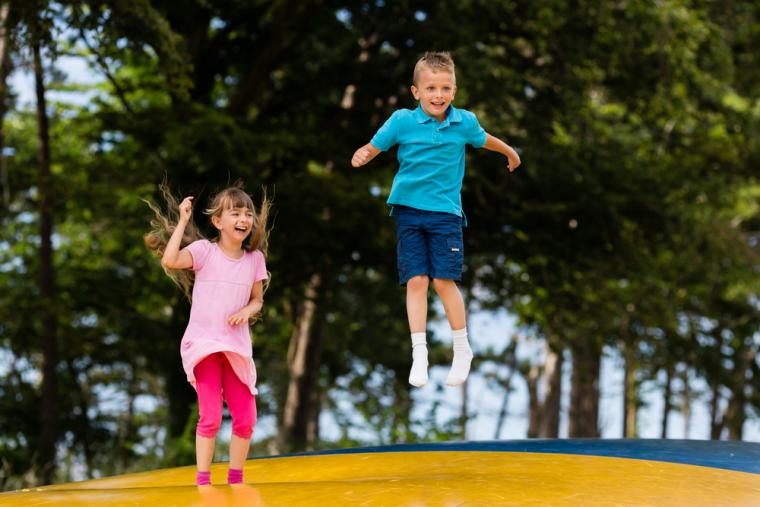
[440,284]
[419,282]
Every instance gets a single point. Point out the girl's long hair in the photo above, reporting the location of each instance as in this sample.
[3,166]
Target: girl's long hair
[165,221]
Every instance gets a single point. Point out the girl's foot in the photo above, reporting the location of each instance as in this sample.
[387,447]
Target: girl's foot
[234,476]
[203,478]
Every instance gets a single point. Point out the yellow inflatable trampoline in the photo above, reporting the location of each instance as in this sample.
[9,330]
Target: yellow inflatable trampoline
[524,473]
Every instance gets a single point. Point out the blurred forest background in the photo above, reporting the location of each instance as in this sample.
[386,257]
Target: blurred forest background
[631,229]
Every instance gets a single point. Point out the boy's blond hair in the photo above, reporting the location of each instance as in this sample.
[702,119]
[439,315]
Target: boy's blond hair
[435,61]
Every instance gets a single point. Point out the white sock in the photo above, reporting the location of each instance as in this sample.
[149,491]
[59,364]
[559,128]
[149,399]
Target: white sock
[460,366]
[418,376]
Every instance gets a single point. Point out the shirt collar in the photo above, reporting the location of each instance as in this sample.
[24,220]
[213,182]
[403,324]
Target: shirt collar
[454,116]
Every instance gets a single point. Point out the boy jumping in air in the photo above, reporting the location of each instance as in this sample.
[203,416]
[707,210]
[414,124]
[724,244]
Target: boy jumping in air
[426,201]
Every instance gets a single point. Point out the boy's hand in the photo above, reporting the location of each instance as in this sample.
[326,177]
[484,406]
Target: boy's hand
[496,144]
[513,162]
[361,157]
[186,209]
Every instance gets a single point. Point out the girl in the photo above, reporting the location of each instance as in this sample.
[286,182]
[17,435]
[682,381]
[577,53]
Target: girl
[227,277]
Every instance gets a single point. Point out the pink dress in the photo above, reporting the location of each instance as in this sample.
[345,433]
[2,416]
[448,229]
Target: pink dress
[222,287]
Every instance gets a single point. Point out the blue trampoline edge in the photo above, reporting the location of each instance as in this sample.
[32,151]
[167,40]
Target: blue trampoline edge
[728,455]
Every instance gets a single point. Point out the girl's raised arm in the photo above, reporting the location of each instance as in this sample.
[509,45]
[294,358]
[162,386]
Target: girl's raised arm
[173,257]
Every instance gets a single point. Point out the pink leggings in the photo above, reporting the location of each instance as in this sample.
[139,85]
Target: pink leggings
[214,379]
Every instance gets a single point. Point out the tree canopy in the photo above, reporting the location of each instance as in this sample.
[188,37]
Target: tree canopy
[630,230]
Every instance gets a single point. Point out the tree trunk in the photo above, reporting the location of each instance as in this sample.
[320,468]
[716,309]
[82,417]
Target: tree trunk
[630,395]
[180,395]
[401,430]
[49,347]
[686,401]
[303,360]
[510,361]
[716,424]
[464,409]
[667,404]
[736,413]
[502,417]
[84,431]
[735,416]
[553,397]
[312,428]
[126,434]
[463,415]
[584,392]
[535,415]
[4,71]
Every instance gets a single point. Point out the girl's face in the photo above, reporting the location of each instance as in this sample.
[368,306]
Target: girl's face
[435,91]
[234,223]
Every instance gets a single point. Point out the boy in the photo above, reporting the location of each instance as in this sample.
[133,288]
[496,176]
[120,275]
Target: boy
[426,202]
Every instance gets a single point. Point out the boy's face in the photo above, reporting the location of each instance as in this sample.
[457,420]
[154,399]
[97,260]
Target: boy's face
[435,91]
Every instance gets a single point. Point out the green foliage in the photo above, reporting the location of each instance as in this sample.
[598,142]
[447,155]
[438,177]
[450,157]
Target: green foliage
[634,213]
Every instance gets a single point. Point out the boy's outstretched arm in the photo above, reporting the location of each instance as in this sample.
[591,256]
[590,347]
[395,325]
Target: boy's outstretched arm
[496,144]
[364,155]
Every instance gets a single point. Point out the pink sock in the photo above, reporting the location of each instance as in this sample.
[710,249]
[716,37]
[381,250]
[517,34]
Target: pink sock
[234,476]
[203,478]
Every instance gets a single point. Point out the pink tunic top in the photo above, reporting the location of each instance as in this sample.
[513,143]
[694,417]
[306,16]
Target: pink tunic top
[222,287]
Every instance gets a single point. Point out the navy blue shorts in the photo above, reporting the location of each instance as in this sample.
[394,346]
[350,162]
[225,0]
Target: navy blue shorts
[428,243]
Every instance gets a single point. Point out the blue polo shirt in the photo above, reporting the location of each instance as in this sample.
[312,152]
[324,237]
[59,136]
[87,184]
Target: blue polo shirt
[430,155]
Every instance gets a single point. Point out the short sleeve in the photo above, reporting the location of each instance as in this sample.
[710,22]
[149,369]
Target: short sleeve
[387,135]
[260,267]
[200,251]
[475,134]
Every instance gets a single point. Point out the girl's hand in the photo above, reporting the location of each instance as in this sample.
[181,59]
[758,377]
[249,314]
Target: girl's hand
[186,209]
[240,317]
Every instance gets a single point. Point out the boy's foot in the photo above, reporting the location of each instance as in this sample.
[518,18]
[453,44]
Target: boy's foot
[418,376]
[460,367]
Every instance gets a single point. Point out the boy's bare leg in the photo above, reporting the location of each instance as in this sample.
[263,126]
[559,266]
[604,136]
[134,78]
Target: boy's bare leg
[453,304]
[417,303]
[416,311]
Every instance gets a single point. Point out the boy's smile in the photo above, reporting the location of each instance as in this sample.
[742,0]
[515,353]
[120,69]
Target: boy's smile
[435,91]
